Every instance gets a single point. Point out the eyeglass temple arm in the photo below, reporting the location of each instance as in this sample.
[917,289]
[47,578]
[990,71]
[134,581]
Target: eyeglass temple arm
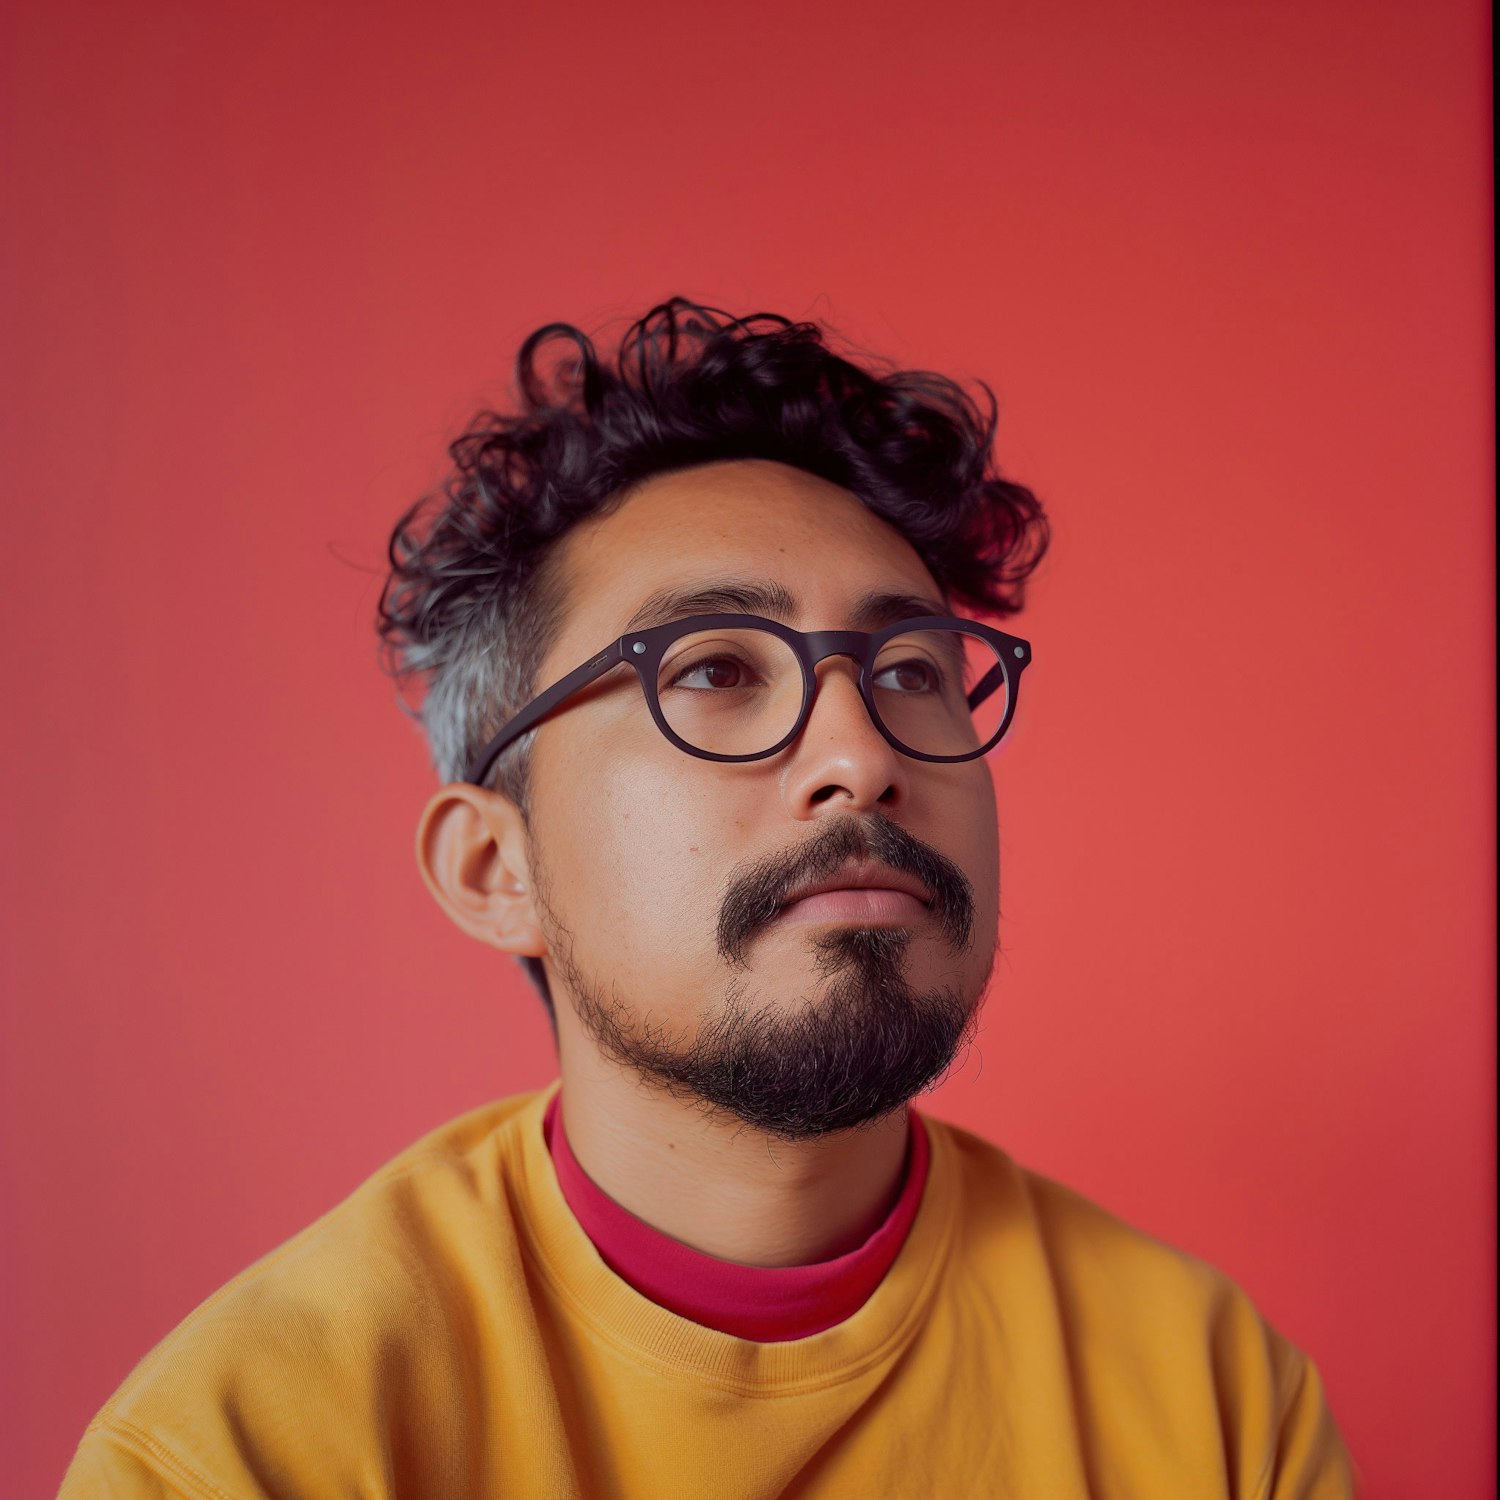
[987,684]
[540,707]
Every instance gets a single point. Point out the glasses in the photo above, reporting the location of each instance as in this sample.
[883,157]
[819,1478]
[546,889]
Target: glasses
[741,687]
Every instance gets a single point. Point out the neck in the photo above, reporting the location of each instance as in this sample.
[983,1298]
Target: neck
[718,1187]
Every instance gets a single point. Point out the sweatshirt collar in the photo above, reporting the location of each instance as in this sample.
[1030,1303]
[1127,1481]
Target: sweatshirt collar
[765,1303]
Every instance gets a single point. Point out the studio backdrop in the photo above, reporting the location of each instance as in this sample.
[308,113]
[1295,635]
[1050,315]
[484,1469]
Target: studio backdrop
[1225,267]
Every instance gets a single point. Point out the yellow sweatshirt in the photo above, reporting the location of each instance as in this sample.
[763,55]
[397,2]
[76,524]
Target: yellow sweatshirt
[449,1330]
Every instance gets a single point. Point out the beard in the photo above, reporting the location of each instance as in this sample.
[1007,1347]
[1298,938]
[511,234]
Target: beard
[847,1058]
[853,1052]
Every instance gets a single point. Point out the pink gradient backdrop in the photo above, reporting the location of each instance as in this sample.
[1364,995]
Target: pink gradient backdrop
[1227,267]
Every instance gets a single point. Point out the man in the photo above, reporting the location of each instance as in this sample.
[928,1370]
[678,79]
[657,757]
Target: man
[710,695]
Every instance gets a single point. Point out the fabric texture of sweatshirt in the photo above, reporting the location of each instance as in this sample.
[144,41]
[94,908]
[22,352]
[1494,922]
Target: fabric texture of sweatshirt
[450,1330]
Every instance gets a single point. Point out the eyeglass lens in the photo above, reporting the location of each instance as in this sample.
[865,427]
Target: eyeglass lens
[738,691]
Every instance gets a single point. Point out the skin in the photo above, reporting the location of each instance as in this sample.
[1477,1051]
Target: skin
[638,878]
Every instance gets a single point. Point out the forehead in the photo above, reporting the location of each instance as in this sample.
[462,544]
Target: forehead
[811,546]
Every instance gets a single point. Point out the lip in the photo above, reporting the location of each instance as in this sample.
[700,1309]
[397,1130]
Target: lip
[863,876]
[866,905]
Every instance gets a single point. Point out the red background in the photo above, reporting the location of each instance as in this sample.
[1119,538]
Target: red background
[1228,269]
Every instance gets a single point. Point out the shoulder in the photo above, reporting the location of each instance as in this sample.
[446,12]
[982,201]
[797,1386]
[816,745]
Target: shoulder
[316,1335]
[1090,1250]
[1149,1333]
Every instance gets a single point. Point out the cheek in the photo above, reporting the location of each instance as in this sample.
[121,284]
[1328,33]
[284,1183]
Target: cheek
[634,854]
[986,873]
[971,816]
[959,809]
[986,829]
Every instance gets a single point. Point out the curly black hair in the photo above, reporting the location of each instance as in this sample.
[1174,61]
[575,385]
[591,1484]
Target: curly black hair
[472,602]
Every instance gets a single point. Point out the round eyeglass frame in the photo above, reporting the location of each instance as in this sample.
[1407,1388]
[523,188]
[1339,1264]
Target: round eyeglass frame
[644,649]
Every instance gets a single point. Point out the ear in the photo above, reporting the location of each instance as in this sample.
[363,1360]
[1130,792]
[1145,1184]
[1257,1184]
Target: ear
[472,853]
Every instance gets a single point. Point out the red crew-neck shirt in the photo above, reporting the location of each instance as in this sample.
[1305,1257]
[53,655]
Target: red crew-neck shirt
[767,1303]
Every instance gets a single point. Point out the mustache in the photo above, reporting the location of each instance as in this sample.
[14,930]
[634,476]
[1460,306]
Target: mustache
[753,898]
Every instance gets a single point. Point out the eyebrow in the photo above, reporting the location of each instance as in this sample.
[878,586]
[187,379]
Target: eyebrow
[748,596]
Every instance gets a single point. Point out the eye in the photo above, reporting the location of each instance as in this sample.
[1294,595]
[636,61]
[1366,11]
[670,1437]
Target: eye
[914,676]
[722,673]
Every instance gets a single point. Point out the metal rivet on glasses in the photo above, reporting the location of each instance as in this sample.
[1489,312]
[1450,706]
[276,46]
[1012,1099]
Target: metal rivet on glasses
[639,647]
[1019,651]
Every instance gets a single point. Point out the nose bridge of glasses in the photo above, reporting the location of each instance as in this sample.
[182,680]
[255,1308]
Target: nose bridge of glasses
[826,645]
[821,644]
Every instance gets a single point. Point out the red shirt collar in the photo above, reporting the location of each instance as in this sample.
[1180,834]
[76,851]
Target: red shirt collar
[767,1303]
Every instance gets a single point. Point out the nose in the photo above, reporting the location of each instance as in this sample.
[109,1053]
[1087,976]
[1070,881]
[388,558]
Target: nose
[838,706]
[841,759]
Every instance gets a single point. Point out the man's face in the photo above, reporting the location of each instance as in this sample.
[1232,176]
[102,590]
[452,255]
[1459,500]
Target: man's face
[658,875]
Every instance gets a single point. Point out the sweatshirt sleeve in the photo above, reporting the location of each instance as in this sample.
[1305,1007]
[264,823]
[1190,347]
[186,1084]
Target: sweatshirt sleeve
[1309,1461]
[120,1464]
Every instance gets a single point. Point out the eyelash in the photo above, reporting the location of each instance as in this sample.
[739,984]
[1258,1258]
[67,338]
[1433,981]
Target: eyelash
[709,661]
